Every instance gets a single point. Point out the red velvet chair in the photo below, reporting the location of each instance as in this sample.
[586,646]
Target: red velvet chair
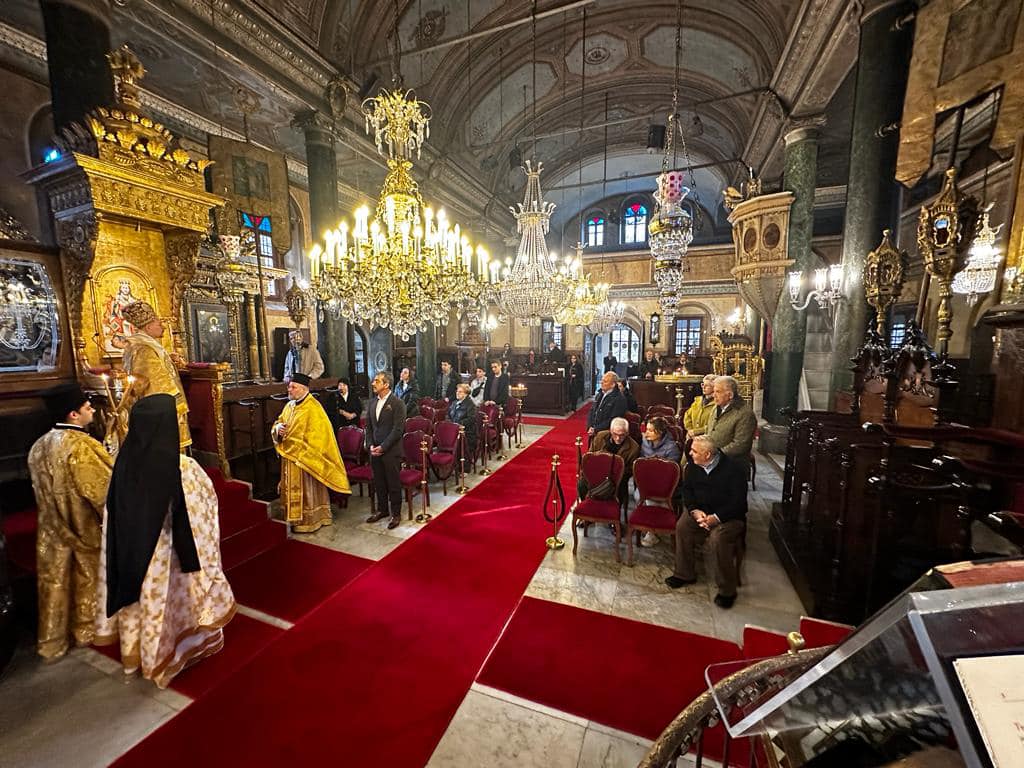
[445,458]
[419,424]
[596,468]
[511,421]
[635,429]
[660,410]
[415,465]
[428,412]
[489,432]
[656,480]
[352,449]
[426,401]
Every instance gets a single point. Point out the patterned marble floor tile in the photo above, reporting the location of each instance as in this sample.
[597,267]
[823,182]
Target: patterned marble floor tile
[372,545]
[590,592]
[602,749]
[487,731]
[688,608]
[50,712]
[729,623]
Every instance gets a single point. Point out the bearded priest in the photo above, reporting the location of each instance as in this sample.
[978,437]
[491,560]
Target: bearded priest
[154,369]
[310,460]
[70,473]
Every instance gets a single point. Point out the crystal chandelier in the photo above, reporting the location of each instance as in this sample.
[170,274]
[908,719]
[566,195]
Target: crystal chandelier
[671,228]
[609,314]
[978,277]
[408,267]
[534,286]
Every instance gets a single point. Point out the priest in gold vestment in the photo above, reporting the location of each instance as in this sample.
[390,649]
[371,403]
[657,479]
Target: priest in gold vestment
[310,460]
[70,472]
[152,367]
[162,591]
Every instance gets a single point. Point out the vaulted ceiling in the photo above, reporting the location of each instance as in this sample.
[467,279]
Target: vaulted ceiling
[499,73]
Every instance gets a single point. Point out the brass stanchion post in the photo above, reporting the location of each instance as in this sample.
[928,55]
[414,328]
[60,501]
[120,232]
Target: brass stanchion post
[498,428]
[462,462]
[555,498]
[424,516]
[679,404]
[485,447]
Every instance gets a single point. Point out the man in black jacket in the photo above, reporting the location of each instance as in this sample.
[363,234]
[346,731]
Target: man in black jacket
[496,390]
[715,498]
[446,383]
[608,404]
[385,425]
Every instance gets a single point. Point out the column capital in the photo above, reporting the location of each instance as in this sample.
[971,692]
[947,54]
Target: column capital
[316,125]
[803,129]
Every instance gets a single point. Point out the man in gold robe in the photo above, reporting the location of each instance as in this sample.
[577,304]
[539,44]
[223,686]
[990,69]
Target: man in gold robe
[153,368]
[310,460]
[70,472]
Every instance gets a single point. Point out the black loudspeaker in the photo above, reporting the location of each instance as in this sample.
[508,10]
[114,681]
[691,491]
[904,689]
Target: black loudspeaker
[280,351]
[515,159]
[655,138]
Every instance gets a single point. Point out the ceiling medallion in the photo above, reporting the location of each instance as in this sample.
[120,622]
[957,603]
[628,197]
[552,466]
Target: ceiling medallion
[598,55]
[430,28]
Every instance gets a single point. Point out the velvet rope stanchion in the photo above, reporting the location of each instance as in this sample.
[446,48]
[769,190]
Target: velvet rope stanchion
[498,428]
[463,488]
[554,498]
[424,516]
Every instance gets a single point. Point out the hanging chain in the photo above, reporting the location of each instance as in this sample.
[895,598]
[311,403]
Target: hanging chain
[396,65]
[583,102]
[533,34]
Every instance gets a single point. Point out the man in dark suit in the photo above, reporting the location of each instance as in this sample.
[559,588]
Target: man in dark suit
[496,391]
[446,383]
[715,497]
[609,404]
[385,425]
[554,354]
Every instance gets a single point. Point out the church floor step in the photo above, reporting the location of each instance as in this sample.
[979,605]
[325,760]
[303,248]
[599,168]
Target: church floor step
[251,542]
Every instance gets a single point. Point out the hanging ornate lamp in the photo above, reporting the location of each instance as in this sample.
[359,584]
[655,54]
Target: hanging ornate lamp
[978,277]
[670,230]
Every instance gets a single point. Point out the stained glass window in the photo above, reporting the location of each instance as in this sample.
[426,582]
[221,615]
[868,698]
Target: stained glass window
[634,224]
[595,231]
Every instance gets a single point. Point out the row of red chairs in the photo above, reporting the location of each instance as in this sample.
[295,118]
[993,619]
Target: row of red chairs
[656,481]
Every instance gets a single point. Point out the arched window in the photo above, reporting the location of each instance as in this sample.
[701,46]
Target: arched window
[595,231]
[625,344]
[634,223]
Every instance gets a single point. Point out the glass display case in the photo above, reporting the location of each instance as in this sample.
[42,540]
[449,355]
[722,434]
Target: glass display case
[937,668]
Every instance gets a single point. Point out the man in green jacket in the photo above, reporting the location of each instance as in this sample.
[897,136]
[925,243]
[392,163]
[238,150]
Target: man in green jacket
[732,423]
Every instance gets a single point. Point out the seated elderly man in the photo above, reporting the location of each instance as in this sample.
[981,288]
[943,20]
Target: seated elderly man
[614,440]
[715,502]
[732,424]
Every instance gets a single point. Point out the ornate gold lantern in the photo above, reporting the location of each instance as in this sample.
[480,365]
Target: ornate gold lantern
[883,278]
[944,233]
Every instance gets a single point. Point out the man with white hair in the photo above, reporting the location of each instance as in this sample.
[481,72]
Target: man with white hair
[732,424]
[608,404]
[715,503]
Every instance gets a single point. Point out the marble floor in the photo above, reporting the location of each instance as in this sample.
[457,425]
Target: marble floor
[83,706]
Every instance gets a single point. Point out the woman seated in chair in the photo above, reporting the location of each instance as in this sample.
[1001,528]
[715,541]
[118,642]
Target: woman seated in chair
[657,443]
[463,412]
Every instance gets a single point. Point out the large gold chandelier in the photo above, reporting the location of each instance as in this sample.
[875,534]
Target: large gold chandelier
[407,267]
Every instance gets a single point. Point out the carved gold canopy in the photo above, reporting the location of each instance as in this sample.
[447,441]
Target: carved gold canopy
[124,193]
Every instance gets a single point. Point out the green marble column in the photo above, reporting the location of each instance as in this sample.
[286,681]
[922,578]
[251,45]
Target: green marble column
[426,361]
[321,162]
[872,194]
[789,326]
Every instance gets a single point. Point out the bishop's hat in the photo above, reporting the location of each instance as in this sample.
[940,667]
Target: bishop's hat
[301,378]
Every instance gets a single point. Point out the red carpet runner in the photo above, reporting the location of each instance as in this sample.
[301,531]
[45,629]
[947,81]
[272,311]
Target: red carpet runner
[373,676]
[630,675]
